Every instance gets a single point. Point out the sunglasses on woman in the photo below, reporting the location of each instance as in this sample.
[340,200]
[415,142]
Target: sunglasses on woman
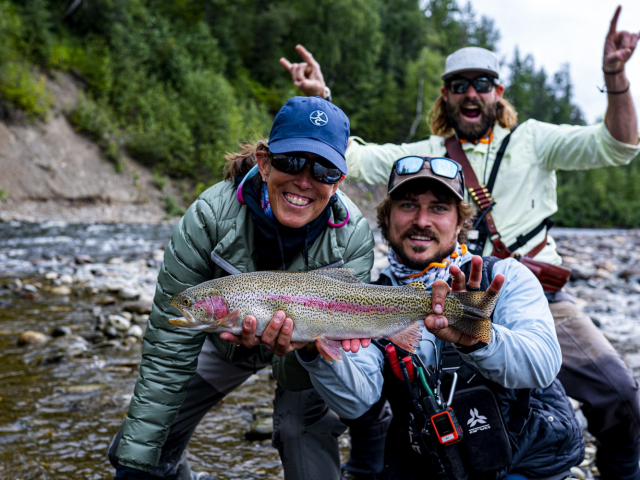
[481,84]
[443,167]
[294,163]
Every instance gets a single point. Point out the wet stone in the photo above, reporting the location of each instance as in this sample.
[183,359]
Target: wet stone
[582,272]
[83,259]
[108,300]
[629,272]
[110,332]
[129,294]
[119,322]
[32,338]
[135,331]
[60,331]
[30,288]
[61,290]
[137,307]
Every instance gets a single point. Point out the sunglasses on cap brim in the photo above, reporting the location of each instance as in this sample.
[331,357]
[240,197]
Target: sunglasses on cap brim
[480,84]
[321,168]
[440,166]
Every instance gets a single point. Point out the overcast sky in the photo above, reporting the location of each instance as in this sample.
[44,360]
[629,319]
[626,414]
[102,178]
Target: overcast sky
[566,31]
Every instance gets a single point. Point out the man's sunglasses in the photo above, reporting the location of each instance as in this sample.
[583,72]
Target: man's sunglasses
[294,163]
[481,84]
[443,167]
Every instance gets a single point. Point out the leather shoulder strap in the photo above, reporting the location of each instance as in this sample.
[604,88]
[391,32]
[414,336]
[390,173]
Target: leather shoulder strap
[479,193]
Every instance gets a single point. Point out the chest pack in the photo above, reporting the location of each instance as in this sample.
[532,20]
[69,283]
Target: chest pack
[447,418]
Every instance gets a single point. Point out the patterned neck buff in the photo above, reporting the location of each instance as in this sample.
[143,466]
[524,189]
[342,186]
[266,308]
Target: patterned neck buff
[433,272]
[264,202]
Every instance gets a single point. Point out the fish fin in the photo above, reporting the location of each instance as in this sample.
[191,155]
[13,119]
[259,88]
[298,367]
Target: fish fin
[229,321]
[345,275]
[480,329]
[409,337]
[417,285]
[475,318]
[329,349]
[477,305]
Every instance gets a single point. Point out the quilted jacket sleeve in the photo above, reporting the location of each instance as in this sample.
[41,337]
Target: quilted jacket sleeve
[169,354]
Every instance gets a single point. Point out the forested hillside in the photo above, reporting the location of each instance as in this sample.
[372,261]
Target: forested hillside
[177,83]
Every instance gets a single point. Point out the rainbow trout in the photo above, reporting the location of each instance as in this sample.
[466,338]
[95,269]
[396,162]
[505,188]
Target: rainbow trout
[327,306]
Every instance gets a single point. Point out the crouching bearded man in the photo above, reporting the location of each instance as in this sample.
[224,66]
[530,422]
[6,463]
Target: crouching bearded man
[508,383]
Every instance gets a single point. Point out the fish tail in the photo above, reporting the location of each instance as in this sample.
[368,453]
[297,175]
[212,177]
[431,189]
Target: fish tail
[471,314]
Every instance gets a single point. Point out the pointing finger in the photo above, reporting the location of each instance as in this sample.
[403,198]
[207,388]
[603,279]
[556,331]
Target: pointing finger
[285,63]
[458,279]
[305,54]
[496,284]
[475,276]
[439,292]
[614,22]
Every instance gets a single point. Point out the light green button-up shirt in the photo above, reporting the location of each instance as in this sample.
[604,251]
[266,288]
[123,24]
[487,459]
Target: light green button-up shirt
[525,188]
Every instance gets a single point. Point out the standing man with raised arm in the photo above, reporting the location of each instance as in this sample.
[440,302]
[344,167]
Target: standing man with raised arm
[471,122]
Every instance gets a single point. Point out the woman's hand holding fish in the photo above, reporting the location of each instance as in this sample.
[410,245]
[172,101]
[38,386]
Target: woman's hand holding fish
[436,323]
[277,336]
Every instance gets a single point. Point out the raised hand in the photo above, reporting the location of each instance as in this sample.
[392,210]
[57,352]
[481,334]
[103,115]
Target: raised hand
[306,75]
[437,323]
[618,46]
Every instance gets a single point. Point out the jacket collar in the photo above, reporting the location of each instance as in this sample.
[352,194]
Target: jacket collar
[236,249]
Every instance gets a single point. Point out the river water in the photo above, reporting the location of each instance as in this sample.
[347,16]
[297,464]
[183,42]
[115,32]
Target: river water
[59,411]
[62,402]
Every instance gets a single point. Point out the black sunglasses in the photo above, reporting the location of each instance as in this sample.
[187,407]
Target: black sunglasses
[294,163]
[481,84]
[441,166]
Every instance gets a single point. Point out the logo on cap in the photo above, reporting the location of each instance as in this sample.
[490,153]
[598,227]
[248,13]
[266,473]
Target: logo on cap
[319,118]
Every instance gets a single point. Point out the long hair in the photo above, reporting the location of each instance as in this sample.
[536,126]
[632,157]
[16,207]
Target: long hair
[239,163]
[441,126]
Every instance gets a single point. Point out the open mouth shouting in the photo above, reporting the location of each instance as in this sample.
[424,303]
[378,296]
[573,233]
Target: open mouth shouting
[297,200]
[470,111]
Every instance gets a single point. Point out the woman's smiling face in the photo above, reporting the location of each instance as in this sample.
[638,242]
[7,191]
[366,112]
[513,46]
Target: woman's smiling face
[296,199]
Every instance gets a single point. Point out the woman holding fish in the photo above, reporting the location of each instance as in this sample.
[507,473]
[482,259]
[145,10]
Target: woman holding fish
[278,209]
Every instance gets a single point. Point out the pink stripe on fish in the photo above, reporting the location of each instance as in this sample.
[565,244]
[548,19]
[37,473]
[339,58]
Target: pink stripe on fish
[333,305]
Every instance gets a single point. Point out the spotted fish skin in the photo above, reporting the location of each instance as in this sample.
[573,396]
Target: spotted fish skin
[327,304]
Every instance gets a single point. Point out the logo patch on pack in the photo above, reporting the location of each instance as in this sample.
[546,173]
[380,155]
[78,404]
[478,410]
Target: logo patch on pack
[477,419]
[319,118]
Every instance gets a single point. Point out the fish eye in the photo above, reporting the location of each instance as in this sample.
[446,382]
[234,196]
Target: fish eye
[186,302]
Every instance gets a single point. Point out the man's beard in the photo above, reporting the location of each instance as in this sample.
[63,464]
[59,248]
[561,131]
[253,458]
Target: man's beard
[471,131]
[441,253]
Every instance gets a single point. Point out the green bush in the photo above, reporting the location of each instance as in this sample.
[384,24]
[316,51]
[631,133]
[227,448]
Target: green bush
[24,88]
[93,120]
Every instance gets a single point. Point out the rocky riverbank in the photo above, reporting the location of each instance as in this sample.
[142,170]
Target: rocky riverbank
[108,303]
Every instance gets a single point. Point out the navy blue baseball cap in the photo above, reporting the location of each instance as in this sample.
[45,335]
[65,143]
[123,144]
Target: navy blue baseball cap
[314,125]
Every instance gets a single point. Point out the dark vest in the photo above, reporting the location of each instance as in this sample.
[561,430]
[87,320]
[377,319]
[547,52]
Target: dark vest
[544,434]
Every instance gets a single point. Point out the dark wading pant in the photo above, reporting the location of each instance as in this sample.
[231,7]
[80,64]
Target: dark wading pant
[305,430]
[593,373]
